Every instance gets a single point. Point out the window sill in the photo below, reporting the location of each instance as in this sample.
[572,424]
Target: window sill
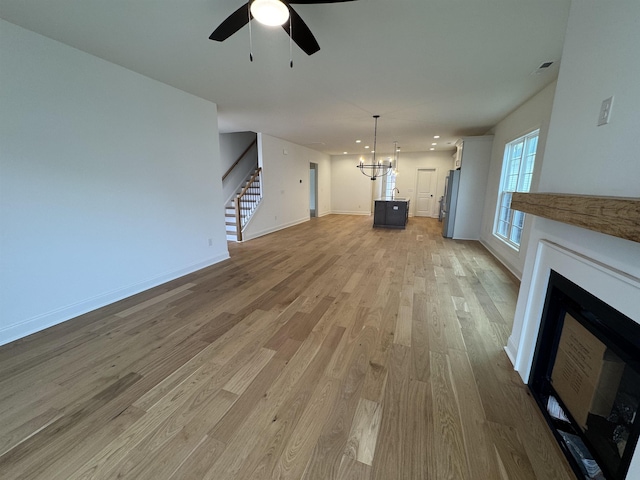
[512,246]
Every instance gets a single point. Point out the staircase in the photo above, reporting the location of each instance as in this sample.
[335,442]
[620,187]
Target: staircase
[240,209]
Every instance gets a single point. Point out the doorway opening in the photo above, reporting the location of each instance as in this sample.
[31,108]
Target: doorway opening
[313,190]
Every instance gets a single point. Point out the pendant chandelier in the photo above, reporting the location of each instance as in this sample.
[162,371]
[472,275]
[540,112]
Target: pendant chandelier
[396,157]
[379,169]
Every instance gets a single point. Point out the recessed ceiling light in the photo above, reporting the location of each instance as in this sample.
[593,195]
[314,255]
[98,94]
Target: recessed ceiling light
[432,148]
[436,136]
[366,146]
[358,141]
[344,153]
[434,143]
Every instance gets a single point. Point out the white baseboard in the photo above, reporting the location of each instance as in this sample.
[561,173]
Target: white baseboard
[275,228]
[348,212]
[492,251]
[511,351]
[49,319]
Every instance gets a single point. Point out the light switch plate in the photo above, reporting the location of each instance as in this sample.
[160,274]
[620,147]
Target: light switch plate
[605,111]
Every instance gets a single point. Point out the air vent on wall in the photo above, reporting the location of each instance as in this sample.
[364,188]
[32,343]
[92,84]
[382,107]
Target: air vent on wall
[542,68]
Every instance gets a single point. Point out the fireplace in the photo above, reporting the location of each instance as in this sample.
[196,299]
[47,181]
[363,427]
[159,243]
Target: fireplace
[585,377]
[608,285]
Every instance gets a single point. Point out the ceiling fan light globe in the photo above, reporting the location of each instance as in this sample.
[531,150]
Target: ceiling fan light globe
[269,12]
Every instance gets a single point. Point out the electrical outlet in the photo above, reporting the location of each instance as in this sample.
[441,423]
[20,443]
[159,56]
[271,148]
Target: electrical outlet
[211,242]
[605,111]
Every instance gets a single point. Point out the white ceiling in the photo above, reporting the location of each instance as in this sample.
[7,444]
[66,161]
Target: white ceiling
[427,67]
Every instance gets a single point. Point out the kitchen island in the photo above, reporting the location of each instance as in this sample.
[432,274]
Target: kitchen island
[391,213]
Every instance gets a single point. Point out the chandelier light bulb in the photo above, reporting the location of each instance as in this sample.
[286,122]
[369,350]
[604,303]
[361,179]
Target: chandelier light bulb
[269,12]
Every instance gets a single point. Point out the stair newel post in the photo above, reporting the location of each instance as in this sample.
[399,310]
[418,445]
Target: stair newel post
[238,223]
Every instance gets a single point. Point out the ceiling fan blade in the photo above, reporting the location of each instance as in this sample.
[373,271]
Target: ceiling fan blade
[311,2]
[301,33]
[232,24]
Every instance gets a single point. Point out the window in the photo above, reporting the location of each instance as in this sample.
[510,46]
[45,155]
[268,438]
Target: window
[389,185]
[517,171]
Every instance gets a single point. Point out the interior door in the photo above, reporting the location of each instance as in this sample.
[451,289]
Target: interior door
[425,192]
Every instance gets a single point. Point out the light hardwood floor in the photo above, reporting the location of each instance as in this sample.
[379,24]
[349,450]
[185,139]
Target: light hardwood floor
[329,350]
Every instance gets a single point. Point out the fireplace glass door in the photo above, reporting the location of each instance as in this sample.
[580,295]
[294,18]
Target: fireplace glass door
[586,379]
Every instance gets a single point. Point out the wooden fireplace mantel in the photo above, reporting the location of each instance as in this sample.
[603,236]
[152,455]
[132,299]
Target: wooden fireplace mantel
[617,216]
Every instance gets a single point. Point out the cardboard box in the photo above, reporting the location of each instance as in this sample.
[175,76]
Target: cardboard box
[586,374]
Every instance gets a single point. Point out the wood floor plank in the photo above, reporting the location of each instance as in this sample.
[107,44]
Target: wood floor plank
[63,434]
[63,468]
[242,408]
[420,460]
[543,453]
[244,452]
[328,350]
[364,430]
[351,469]
[243,378]
[293,459]
[420,338]
[478,445]
[196,464]
[325,459]
[402,335]
[450,458]
[162,451]
[510,453]
[391,449]
[154,300]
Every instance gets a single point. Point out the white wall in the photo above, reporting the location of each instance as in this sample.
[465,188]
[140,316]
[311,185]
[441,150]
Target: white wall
[585,158]
[109,184]
[232,145]
[531,115]
[324,175]
[352,192]
[409,163]
[476,157]
[286,186]
[599,60]
[581,157]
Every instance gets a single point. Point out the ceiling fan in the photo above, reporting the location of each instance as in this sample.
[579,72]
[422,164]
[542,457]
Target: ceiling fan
[291,22]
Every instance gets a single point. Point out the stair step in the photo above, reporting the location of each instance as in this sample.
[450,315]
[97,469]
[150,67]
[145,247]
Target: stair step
[251,200]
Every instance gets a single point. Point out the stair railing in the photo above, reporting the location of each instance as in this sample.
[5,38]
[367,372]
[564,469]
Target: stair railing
[247,201]
[226,174]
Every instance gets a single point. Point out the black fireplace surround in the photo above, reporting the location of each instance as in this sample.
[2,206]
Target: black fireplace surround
[593,408]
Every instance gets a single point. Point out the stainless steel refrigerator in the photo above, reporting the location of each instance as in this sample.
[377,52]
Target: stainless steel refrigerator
[450,201]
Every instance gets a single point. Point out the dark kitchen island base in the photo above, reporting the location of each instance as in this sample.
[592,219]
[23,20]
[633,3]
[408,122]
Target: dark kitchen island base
[391,213]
